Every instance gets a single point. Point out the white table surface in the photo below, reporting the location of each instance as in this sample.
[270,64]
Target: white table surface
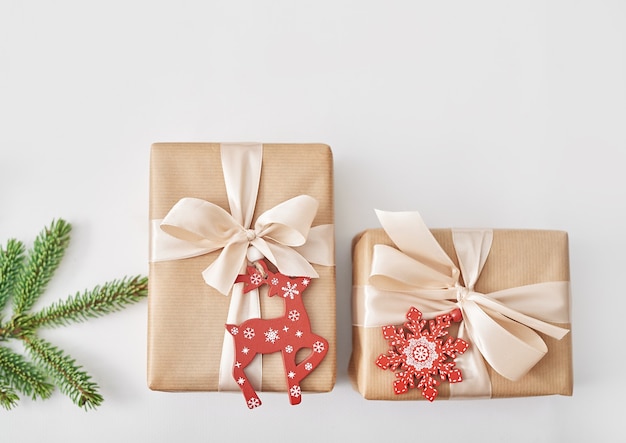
[477,114]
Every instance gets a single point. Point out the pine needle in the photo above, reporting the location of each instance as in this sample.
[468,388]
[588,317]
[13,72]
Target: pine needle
[11,260]
[108,298]
[8,397]
[70,378]
[23,375]
[43,260]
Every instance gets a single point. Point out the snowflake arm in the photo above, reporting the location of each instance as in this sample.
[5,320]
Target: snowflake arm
[391,360]
[452,347]
[405,380]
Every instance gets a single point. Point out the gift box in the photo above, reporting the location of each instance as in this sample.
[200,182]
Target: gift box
[214,209]
[509,288]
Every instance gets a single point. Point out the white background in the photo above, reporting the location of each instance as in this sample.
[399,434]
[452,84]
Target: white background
[478,114]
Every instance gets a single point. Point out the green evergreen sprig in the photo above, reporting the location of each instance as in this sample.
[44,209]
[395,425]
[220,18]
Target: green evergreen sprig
[23,279]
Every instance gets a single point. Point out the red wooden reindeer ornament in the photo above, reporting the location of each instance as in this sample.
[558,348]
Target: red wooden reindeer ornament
[286,334]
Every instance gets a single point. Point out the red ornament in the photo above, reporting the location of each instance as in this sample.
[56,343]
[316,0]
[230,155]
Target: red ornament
[287,334]
[421,353]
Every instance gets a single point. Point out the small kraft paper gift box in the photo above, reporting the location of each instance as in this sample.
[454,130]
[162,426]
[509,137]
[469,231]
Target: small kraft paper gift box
[459,313]
[238,232]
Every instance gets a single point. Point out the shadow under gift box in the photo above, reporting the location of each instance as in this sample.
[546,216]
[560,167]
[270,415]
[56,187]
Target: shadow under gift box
[517,258]
[186,317]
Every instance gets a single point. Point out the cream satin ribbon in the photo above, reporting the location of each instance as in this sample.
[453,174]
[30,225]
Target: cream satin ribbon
[499,325]
[282,234]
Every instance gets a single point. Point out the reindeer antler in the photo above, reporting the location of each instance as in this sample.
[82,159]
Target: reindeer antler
[254,277]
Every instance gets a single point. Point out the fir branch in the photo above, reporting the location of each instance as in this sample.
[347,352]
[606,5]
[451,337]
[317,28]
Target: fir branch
[8,397]
[47,252]
[11,261]
[24,277]
[108,298]
[71,380]
[22,375]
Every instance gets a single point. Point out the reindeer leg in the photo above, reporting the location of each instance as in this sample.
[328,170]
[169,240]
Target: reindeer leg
[252,399]
[297,372]
[243,357]
[293,377]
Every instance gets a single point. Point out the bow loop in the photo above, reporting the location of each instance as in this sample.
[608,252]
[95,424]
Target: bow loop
[188,221]
[411,235]
[289,222]
[392,270]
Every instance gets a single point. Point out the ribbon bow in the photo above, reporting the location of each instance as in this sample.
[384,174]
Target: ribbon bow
[282,234]
[501,325]
[207,227]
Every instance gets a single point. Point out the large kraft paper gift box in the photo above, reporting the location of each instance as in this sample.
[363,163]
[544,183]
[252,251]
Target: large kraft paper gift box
[186,313]
[511,287]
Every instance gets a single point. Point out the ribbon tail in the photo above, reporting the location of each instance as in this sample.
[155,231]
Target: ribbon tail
[476,382]
[509,347]
[221,274]
[242,307]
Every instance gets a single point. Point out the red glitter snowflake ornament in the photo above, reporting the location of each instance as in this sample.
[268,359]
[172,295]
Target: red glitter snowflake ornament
[421,354]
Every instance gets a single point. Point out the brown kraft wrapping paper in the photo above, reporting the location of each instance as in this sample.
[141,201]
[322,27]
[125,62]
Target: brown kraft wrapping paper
[186,317]
[517,257]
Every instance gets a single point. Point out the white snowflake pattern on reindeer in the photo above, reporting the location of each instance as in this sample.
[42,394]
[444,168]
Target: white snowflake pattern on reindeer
[295,391]
[254,403]
[318,346]
[271,335]
[256,279]
[290,290]
[248,333]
